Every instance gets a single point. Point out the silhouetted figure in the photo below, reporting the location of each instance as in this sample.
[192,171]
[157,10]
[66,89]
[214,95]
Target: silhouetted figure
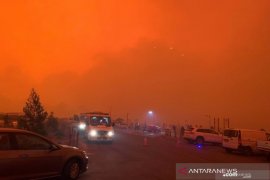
[182,131]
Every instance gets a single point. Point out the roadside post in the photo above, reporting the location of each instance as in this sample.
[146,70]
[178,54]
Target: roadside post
[77,138]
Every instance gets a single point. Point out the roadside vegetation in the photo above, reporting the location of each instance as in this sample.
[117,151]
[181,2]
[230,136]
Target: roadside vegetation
[35,118]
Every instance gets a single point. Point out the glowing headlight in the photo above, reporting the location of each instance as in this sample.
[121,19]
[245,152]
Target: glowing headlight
[110,133]
[93,133]
[82,126]
[85,154]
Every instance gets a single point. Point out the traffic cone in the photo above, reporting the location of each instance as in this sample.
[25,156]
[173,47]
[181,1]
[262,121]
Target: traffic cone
[145,143]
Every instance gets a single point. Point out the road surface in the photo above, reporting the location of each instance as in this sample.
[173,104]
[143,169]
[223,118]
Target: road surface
[127,158]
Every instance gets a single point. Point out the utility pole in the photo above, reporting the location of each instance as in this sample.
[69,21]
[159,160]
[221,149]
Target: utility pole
[214,123]
[208,116]
[218,124]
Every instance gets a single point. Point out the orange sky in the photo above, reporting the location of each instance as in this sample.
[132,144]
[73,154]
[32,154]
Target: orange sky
[183,59]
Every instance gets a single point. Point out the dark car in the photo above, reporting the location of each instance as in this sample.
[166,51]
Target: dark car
[152,129]
[26,155]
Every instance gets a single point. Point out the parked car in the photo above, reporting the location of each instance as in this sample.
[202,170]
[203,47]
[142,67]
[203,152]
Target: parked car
[202,135]
[27,155]
[122,126]
[167,131]
[243,140]
[152,129]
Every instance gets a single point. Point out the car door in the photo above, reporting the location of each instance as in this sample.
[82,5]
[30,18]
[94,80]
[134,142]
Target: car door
[9,166]
[215,137]
[205,134]
[36,156]
[208,135]
[231,138]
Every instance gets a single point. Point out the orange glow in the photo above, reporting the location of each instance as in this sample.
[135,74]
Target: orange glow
[183,59]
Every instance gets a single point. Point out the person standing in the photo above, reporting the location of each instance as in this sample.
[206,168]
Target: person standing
[182,131]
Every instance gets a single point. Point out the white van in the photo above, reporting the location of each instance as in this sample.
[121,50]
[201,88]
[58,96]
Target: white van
[243,140]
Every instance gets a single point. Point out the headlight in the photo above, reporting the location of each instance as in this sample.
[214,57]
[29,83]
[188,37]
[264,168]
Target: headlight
[85,154]
[93,133]
[110,133]
[82,126]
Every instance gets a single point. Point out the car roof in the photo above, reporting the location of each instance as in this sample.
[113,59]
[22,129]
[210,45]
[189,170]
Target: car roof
[13,130]
[202,128]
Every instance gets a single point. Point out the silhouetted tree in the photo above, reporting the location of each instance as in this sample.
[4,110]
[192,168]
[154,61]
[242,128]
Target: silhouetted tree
[52,122]
[35,114]
[22,123]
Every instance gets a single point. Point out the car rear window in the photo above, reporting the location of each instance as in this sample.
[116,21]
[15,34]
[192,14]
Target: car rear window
[231,133]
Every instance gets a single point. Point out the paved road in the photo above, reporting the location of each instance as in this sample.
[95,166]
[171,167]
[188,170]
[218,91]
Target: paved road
[128,159]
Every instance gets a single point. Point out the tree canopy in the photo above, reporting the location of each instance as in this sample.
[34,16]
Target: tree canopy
[35,115]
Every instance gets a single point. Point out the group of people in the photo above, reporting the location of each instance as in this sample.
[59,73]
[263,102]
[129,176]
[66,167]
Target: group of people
[181,131]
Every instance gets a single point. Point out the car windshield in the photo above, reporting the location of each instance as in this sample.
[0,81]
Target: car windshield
[100,120]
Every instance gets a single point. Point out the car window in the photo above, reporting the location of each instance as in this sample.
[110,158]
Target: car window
[213,132]
[208,131]
[4,141]
[231,133]
[202,130]
[31,142]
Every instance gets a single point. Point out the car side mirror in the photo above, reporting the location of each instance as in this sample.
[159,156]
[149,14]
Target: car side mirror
[53,148]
